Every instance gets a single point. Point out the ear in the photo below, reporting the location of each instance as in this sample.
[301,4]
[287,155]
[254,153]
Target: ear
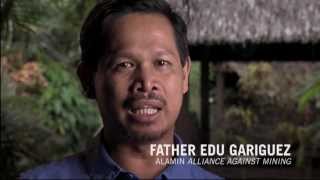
[186,73]
[86,74]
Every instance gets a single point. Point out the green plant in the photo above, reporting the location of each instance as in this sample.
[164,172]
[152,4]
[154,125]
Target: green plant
[70,112]
[240,117]
[52,26]
[24,138]
[194,90]
[309,138]
[33,117]
[310,92]
[238,121]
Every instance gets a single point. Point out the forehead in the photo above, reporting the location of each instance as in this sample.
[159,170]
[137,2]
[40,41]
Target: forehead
[144,29]
[134,18]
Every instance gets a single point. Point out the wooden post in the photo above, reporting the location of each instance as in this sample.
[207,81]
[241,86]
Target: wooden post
[205,101]
[219,113]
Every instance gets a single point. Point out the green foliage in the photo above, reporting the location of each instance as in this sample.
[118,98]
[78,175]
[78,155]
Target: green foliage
[245,116]
[309,93]
[52,26]
[61,36]
[238,121]
[46,123]
[258,81]
[286,132]
[27,139]
[71,114]
[309,137]
[194,89]
[42,124]
[265,109]
[19,21]
[7,89]
[24,138]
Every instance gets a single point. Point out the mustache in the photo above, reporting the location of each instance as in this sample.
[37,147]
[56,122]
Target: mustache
[143,96]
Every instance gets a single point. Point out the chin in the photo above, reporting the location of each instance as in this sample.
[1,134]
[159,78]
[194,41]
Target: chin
[146,136]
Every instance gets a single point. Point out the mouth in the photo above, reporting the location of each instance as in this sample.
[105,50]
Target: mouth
[144,111]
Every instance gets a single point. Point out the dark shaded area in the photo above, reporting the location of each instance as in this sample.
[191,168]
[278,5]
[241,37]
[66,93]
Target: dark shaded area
[256,51]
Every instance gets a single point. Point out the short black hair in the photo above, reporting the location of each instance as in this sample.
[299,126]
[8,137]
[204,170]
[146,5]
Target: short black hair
[92,42]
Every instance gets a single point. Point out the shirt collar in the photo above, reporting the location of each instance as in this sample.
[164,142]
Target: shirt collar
[177,171]
[101,165]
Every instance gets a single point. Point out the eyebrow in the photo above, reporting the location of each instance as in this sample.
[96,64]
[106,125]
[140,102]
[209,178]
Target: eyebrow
[117,55]
[166,51]
[132,54]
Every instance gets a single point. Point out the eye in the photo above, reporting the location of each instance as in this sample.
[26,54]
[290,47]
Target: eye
[163,62]
[124,65]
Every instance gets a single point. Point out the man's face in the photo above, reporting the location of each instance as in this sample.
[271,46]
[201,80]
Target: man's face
[141,82]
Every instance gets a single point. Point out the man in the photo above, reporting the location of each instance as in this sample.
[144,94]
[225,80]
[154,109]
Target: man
[135,63]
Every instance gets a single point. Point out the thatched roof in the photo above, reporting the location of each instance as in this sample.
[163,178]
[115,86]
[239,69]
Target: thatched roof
[238,21]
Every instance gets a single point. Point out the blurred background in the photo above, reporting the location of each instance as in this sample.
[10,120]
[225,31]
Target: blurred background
[255,79]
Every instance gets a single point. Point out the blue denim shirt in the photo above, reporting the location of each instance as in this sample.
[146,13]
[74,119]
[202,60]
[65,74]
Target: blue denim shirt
[96,163]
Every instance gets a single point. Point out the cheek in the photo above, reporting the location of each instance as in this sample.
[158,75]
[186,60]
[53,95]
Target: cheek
[175,84]
[174,91]
[110,91]
[118,89]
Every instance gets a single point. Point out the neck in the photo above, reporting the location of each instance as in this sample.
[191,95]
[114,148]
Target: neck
[135,157]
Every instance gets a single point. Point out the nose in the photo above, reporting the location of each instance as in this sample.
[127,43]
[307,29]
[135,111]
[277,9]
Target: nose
[145,80]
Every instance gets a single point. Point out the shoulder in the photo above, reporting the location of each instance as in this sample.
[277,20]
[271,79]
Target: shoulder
[198,172]
[68,167]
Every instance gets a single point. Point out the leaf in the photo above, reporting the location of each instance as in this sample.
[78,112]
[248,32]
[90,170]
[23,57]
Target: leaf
[310,92]
[57,107]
